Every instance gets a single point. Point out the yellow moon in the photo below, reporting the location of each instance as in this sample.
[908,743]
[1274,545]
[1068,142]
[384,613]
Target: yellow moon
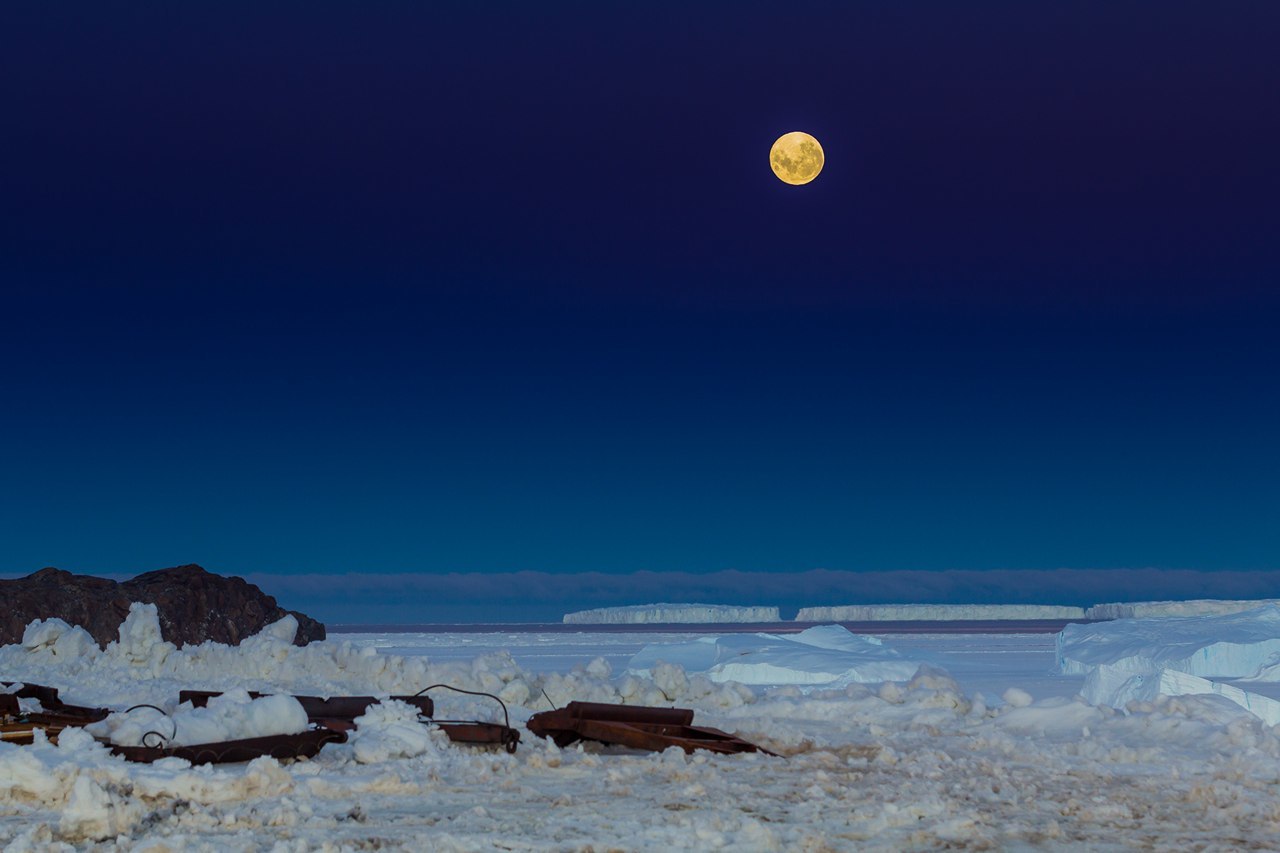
[796,158]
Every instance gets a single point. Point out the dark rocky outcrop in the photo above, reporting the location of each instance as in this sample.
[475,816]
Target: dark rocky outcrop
[194,605]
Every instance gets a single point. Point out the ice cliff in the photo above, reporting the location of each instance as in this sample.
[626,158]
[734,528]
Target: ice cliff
[905,612]
[1198,607]
[653,613]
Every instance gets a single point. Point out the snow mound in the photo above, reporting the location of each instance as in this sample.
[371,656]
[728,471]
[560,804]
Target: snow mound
[935,612]
[57,639]
[1198,607]
[1229,646]
[231,716]
[394,729]
[827,655]
[637,614]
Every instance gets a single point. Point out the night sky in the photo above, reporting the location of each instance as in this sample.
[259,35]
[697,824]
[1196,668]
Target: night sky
[475,287]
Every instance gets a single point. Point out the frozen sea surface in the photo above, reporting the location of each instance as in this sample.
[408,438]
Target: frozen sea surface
[987,746]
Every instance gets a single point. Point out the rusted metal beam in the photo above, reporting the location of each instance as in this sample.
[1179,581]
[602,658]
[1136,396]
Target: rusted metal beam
[303,745]
[319,708]
[635,726]
[338,713]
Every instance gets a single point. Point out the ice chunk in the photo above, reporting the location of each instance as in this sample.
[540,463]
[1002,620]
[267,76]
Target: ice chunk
[393,729]
[1117,687]
[932,612]
[649,613]
[1233,645]
[140,641]
[827,654]
[58,639]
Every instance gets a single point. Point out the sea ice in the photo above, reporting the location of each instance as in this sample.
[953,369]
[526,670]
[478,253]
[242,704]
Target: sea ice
[828,655]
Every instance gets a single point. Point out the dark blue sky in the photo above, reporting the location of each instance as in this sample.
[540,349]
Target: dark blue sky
[319,287]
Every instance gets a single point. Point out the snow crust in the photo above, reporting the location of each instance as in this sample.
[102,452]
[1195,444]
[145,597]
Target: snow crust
[1198,607]
[826,654]
[935,612]
[675,613]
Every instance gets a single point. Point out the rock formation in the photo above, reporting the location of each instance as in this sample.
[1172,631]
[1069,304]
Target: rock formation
[194,605]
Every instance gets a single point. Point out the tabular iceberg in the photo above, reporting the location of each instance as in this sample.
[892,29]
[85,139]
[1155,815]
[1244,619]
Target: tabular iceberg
[655,613]
[1197,607]
[935,612]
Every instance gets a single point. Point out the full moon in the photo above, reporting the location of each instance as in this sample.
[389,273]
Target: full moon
[796,158]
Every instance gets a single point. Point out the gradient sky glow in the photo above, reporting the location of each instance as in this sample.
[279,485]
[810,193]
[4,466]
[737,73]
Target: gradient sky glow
[324,287]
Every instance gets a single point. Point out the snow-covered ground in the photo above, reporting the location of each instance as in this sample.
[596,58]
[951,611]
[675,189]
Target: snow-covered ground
[936,612]
[985,746]
[641,614]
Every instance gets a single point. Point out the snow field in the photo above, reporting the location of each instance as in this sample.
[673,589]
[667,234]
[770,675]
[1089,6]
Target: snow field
[912,763]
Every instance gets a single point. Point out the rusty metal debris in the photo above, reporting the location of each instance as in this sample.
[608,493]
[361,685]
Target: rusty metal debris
[338,713]
[334,712]
[56,715]
[634,726]
[303,745]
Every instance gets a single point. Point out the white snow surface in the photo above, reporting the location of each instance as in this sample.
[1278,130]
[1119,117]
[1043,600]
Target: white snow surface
[928,763]
[1196,607]
[637,614]
[935,612]
[826,654]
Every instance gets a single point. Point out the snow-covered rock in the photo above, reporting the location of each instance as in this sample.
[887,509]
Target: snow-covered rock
[656,613]
[827,655]
[1198,607]
[1229,646]
[939,612]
